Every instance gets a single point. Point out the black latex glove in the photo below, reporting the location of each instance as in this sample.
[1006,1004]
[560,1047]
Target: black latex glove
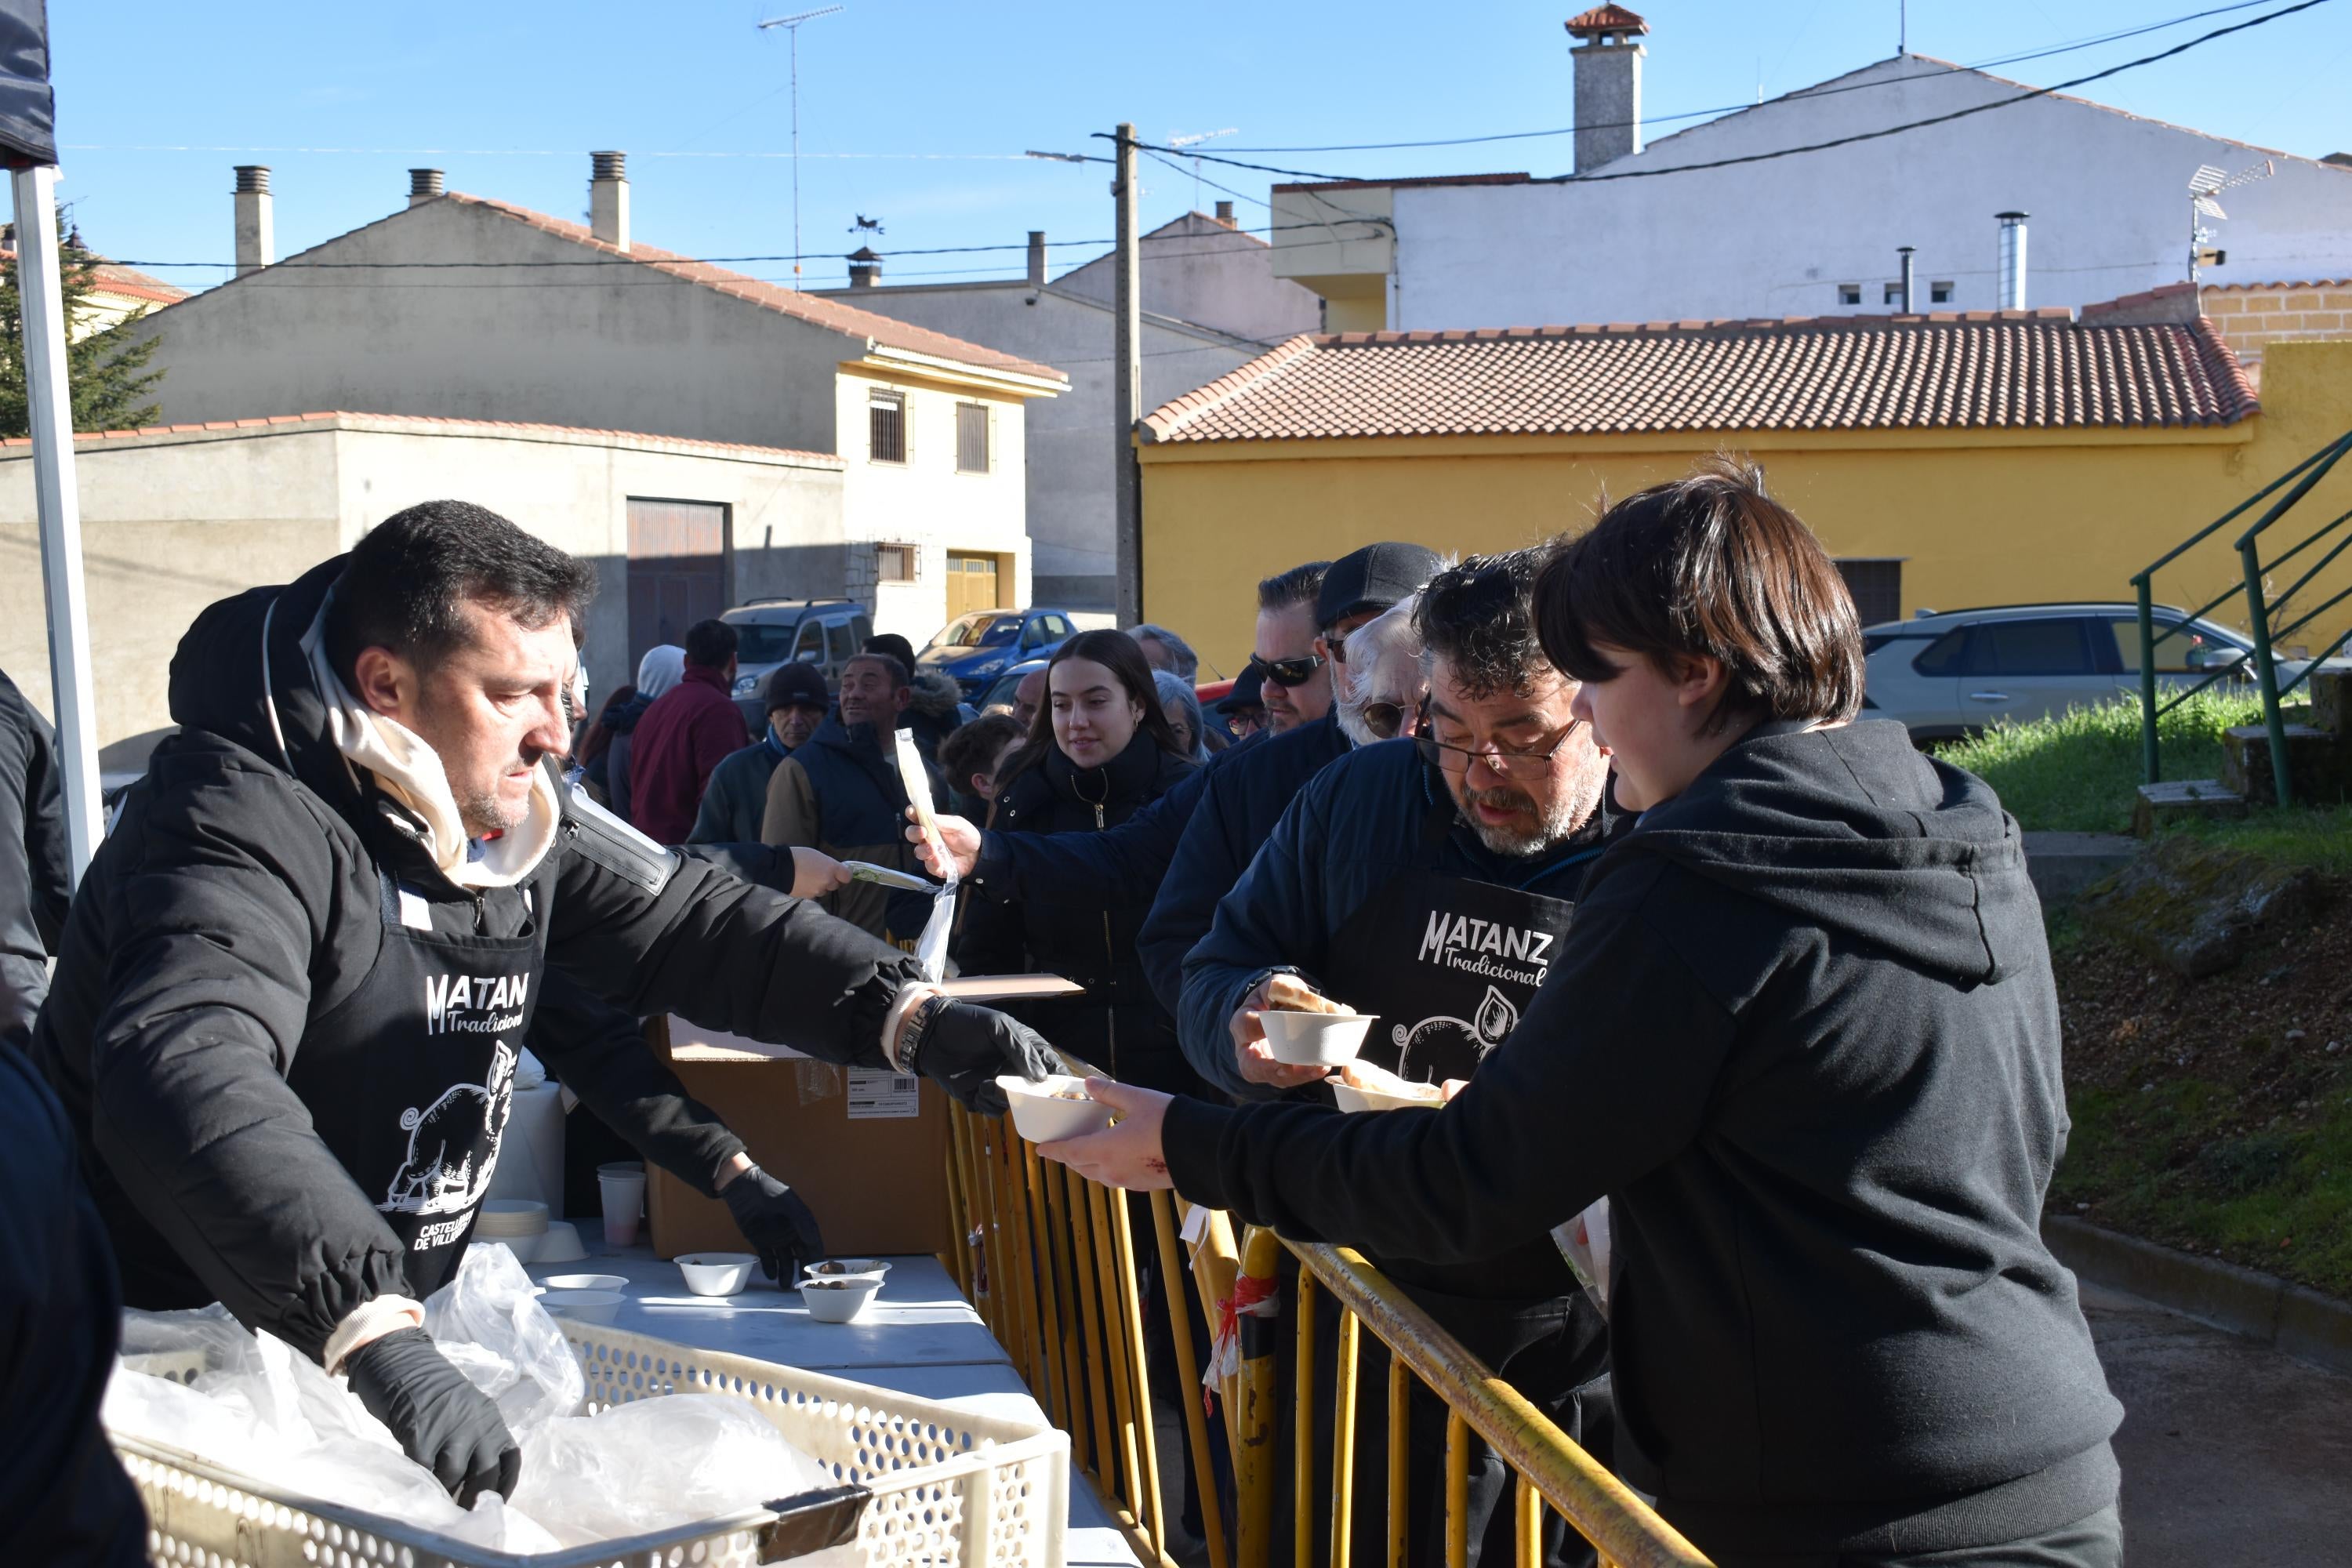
[442,1422]
[773,1218]
[965,1048]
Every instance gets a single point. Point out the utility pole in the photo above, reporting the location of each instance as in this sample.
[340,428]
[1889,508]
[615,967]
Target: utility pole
[1127,388]
[792,26]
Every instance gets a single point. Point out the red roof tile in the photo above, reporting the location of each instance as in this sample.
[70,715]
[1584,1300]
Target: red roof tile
[395,423]
[1606,19]
[1976,369]
[813,308]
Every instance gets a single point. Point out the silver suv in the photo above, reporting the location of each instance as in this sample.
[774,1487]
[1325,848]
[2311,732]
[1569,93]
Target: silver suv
[826,633]
[1948,675]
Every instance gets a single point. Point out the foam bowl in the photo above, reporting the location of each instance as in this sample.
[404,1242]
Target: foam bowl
[1353,1100]
[585,1282]
[584,1306]
[1041,1112]
[1315,1039]
[839,1301]
[846,1268]
[717,1273]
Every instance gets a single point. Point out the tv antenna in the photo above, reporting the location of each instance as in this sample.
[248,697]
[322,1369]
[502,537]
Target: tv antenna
[1194,140]
[2205,184]
[792,26]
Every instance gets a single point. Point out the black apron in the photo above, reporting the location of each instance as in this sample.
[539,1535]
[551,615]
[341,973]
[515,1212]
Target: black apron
[1449,964]
[410,1080]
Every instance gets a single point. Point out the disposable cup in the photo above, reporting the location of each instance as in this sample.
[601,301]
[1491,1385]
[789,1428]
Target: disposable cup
[624,1194]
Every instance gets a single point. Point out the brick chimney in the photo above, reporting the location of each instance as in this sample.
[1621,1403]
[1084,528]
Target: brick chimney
[608,198]
[256,222]
[866,268]
[424,185]
[1225,214]
[1036,258]
[1608,58]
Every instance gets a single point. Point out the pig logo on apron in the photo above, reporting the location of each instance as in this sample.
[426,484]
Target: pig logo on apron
[1454,1039]
[441,1175]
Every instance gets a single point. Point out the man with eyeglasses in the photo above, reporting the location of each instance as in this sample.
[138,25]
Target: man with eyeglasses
[1429,883]
[1302,653]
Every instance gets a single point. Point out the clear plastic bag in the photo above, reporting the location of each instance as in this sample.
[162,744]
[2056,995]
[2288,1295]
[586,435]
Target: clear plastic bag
[1584,1242]
[201,1383]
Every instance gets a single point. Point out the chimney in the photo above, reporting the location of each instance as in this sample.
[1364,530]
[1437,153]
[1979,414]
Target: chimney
[424,185]
[608,198]
[1607,84]
[1225,214]
[2012,259]
[864,267]
[1036,258]
[1904,252]
[257,224]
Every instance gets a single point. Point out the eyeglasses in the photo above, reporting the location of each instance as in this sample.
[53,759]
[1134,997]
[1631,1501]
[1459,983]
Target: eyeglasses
[1287,671]
[1385,720]
[1510,764]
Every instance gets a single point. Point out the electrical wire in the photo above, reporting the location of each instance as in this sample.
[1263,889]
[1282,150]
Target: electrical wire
[1802,92]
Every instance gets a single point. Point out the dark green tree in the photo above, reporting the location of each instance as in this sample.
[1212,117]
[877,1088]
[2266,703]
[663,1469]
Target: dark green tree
[106,372]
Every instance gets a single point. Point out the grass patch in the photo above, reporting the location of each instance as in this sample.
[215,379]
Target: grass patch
[2319,837]
[2081,772]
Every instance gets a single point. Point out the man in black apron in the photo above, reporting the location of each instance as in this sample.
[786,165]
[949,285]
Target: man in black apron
[297,979]
[1428,881]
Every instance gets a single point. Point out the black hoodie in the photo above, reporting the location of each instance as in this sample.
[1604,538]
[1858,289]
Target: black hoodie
[1802,1034]
[238,898]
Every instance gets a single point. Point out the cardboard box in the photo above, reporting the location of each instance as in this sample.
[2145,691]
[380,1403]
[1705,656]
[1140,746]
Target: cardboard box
[867,1150]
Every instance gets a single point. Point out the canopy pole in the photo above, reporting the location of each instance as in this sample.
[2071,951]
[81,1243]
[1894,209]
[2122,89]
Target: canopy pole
[49,409]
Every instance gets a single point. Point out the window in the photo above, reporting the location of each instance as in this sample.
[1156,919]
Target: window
[971,438]
[1849,293]
[1939,293]
[886,418]
[844,641]
[1876,587]
[2182,653]
[811,650]
[1893,296]
[894,563]
[1945,654]
[2053,646]
[1057,628]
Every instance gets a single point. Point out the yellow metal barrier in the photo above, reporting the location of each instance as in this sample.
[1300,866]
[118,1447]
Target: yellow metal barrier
[1052,1263]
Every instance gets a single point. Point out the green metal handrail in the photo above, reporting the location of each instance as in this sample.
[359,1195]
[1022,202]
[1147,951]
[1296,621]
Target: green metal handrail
[2303,478]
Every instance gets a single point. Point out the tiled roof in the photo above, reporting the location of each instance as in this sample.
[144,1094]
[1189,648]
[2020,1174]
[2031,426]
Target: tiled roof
[2273,288]
[1974,370]
[122,282]
[1607,19]
[815,310]
[398,423]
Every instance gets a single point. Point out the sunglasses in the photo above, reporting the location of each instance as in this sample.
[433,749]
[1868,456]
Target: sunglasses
[1385,720]
[1287,671]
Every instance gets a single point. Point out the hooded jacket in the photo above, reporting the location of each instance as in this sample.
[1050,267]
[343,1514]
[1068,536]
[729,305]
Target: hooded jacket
[1115,1025]
[936,711]
[610,770]
[34,892]
[736,799]
[1803,1035]
[841,793]
[238,900]
[689,731]
[1237,811]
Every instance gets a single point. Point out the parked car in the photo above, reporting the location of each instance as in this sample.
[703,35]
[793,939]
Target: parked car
[999,691]
[770,632]
[979,648]
[1952,674]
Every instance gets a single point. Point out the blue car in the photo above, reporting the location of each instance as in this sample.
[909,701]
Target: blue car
[977,648]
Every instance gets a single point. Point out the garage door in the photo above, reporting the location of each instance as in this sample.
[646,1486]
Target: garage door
[677,570]
[972,583]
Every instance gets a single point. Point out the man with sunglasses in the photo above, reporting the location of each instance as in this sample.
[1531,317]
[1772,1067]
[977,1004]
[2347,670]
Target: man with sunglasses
[1429,883]
[1302,651]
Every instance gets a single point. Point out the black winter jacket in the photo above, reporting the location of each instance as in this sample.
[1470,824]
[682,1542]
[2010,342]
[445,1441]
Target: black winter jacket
[33,886]
[1236,814]
[1803,1035]
[1115,1025]
[238,898]
[610,771]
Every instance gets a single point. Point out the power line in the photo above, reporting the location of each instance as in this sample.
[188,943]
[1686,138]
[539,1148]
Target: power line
[1806,92]
[522,152]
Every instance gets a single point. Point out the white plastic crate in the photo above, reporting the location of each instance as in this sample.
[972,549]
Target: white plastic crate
[935,1487]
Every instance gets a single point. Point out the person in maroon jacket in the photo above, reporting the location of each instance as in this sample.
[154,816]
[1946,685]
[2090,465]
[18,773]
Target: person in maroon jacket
[689,731]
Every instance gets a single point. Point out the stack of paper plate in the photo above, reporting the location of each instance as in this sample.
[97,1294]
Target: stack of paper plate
[518,1224]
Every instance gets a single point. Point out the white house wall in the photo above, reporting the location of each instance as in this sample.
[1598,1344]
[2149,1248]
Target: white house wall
[2107,195]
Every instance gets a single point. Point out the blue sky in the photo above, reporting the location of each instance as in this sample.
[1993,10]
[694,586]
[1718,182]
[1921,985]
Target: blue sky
[917,112]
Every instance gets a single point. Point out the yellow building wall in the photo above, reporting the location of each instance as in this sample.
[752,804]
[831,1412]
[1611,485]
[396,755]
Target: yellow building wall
[1978,518]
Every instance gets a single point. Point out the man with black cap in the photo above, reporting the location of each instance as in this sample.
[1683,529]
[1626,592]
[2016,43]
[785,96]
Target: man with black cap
[1243,708]
[737,796]
[1240,802]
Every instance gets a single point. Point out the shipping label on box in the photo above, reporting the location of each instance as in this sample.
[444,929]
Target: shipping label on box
[884,1096]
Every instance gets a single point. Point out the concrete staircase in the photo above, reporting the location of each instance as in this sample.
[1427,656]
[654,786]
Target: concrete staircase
[2318,758]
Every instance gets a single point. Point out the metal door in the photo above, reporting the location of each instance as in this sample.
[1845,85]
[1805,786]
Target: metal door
[972,583]
[677,570]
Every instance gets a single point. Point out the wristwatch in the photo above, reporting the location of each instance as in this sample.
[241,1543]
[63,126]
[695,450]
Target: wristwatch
[910,1034]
